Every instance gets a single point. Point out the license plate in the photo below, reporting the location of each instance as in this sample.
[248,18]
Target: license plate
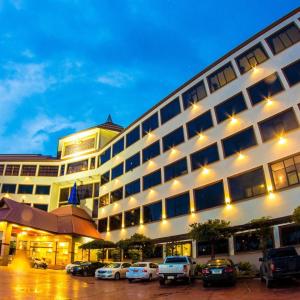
[171,277]
[135,270]
[216,271]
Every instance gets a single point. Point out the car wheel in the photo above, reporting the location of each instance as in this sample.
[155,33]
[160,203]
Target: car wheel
[130,280]
[117,276]
[150,277]
[269,283]
[205,284]
[162,281]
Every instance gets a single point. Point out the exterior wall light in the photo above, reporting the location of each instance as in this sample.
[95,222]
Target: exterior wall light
[205,171]
[269,101]
[227,201]
[233,120]
[282,140]
[201,136]
[241,156]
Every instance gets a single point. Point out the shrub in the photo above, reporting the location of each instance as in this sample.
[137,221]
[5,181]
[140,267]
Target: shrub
[134,254]
[245,267]
[198,268]
[115,254]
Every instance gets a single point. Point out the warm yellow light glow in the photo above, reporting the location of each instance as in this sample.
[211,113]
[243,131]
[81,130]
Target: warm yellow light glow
[282,140]
[205,171]
[192,210]
[6,195]
[241,156]
[254,69]
[233,120]
[269,101]
[173,150]
[271,195]
[227,201]
[201,136]
[26,178]
[141,222]
[194,106]
[163,216]
[123,226]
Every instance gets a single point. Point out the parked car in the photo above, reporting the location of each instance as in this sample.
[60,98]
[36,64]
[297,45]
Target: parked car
[219,270]
[176,268]
[142,270]
[278,264]
[115,270]
[38,263]
[86,268]
[70,266]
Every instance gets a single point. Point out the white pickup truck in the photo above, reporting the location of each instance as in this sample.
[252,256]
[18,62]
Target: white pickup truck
[176,268]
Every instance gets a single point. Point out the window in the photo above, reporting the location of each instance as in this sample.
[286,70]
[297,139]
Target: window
[93,163]
[286,172]
[194,94]
[221,77]
[230,107]
[151,151]
[172,139]
[292,73]
[118,147]
[265,88]
[64,194]
[104,200]
[284,38]
[9,188]
[289,235]
[115,222]
[209,196]
[49,171]
[12,170]
[43,207]
[247,185]
[96,189]
[25,189]
[176,169]
[178,205]
[204,156]
[221,247]
[132,217]
[277,125]
[150,124]
[178,249]
[169,111]
[152,212]
[105,178]
[133,136]
[249,242]
[105,156]
[95,209]
[239,141]
[117,171]
[62,170]
[116,195]
[78,166]
[102,225]
[152,179]
[132,188]
[85,191]
[1,170]
[199,124]
[28,170]
[251,58]
[42,189]
[132,162]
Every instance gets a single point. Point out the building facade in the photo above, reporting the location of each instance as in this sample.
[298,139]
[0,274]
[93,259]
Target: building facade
[225,145]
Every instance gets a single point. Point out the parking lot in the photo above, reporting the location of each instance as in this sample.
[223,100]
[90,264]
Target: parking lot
[51,284]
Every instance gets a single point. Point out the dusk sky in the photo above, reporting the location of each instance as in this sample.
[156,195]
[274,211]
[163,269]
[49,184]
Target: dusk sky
[65,65]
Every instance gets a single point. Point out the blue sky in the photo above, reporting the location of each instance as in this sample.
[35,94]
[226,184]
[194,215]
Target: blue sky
[65,65]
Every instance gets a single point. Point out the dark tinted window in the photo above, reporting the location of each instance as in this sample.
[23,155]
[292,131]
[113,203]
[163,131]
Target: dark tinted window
[242,140]
[204,156]
[104,200]
[209,196]
[105,156]
[117,171]
[28,170]
[116,195]
[172,139]
[251,58]
[152,179]
[42,189]
[249,242]
[247,185]
[284,38]
[150,124]
[230,107]
[115,222]
[169,111]
[292,73]
[104,178]
[133,136]
[265,88]
[132,162]
[43,207]
[12,170]
[178,205]
[9,188]
[221,77]
[25,189]
[51,171]
[64,195]
[78,166]
[277,125]
[102,225]
[176,169]
[132,217]
[194,94]
[62,170]
[85,191]
[199,124]
[132,188]
[118,147]
[152,212]
[221,247]
[290,235]
[151,151]
[1,170]
[93,163]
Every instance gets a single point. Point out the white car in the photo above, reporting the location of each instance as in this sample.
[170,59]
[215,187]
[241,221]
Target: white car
[142,270]
[115,270]
[70,266]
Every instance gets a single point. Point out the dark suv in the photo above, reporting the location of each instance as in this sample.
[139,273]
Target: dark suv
[87,268]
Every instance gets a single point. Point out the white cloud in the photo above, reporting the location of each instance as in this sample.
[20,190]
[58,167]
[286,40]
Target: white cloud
[27,53]
[115,79]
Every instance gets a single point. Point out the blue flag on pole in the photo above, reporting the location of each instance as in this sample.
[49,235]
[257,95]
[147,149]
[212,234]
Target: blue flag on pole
[73,199]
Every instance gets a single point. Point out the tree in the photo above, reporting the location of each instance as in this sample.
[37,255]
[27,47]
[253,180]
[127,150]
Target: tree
[262,230]
[296,215]
[210,231]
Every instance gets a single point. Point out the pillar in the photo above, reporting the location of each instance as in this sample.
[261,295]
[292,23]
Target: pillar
[164,250]
[276,236]
[7,228]
[72,249]
[194,249]
[231,246]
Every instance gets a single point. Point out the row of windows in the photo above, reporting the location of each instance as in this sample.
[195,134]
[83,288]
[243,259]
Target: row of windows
[28,170]
[25,189]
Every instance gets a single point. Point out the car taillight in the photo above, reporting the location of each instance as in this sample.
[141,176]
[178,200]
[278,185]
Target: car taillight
[185,268]
[205,271]
[272,267]
[228,270]
[145,270]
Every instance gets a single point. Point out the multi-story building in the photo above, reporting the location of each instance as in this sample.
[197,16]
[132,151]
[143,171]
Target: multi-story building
[224,145]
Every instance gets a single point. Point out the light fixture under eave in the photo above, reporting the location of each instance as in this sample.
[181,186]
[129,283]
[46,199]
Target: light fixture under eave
[227,201]
[233,120]
[241,156]
[269,101]
[205,171]
[282,140]
[200,136]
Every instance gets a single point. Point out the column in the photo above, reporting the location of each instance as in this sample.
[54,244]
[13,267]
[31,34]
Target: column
[194,249]
[164,250]
[231,246]
[276,236]
[72,249]
[7,228]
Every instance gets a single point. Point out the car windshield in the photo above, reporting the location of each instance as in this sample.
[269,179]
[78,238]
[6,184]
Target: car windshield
[139,265]
[282,252]
[114,265]
[175,260]
[218,262]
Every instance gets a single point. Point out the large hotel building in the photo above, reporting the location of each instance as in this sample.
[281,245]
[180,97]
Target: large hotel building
[224,145]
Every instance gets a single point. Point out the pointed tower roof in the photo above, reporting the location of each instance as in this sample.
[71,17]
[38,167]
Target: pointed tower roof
[110,125]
